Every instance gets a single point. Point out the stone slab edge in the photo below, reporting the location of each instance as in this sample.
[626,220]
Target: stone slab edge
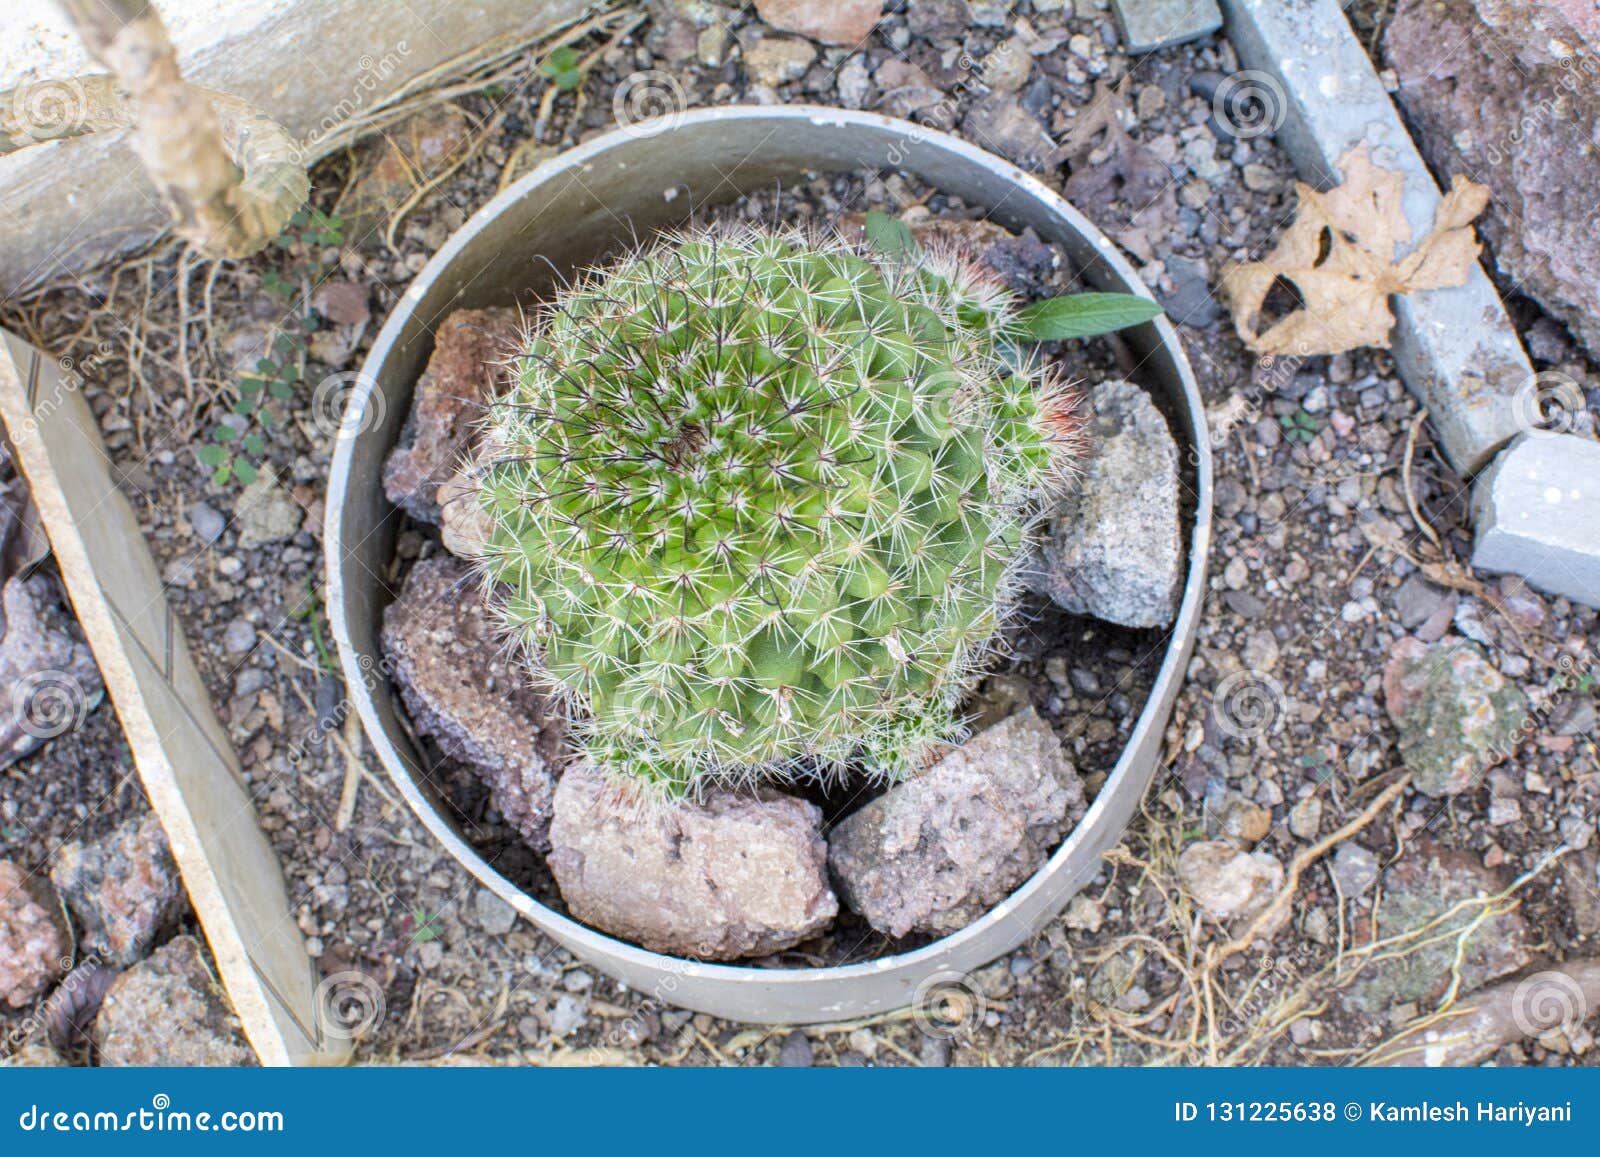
[1455,348]
[1149,25]
[1537,514]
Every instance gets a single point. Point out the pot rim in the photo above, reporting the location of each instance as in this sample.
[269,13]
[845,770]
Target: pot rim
[1179,636]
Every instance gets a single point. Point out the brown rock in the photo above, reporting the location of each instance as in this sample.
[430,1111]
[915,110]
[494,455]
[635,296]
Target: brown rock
[463,689]
[124,889]
[847,22]
[934,853]
[1514,104]
[730,877]
[33,942]
[342,302]
[463,375]
[168,1011]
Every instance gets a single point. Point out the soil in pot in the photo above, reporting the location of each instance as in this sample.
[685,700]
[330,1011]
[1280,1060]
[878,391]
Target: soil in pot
[1088,679]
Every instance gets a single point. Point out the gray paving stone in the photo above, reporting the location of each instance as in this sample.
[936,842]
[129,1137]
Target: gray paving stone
[1455,348]
[1151,24]
[1537,514]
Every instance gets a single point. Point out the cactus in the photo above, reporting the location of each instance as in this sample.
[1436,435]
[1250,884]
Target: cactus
[757,500]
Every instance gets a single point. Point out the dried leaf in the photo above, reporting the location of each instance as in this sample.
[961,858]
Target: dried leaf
[1130,192]
[1339,256]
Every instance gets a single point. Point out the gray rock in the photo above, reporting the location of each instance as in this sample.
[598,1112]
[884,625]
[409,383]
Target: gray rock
[1417,600]
[795,1052]
[1114,550]
[169,1011]
[1536,513]
[1355,868]
[934,853]
[728,877]
[1418,889]
[265,512]
[48,679]
[568,1015]
[1457,716]
[207,523]
[462,689]
[463,375]
[1514,105]
[34,949]
[855,82]
[938,19]
[1151,24]
[1227,882]
[238,637]
[1192,301]
[494,915]
[124,889]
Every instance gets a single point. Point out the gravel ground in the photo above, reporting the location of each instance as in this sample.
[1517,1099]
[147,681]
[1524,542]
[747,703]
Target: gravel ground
[1311,586]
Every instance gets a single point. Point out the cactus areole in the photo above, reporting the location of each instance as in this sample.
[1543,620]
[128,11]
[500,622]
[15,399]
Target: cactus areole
[757,501]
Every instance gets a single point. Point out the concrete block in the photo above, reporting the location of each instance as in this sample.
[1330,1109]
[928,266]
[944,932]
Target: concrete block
[312,65]
[1536,512]
[1456,348]
[1148,25]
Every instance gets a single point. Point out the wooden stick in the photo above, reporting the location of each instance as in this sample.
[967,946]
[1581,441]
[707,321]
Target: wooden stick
[230,177]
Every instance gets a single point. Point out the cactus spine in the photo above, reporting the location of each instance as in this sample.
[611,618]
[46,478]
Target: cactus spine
[757,501]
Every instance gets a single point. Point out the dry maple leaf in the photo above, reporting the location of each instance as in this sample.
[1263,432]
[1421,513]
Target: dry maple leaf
[1339,255]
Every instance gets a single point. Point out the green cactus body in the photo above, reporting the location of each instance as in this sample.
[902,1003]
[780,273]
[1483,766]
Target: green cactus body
[757,502]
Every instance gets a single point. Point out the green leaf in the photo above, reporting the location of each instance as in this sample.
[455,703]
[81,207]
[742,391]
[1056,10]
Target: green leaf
[211,455]
[282,390]
[890,235]
[562,59]
[250,387]
[1082,315]
[244,472]
[221,474]
[254,445]
[223,433]
[244,407]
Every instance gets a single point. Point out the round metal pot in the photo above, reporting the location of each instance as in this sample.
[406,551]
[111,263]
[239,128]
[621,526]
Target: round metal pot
[573,210]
